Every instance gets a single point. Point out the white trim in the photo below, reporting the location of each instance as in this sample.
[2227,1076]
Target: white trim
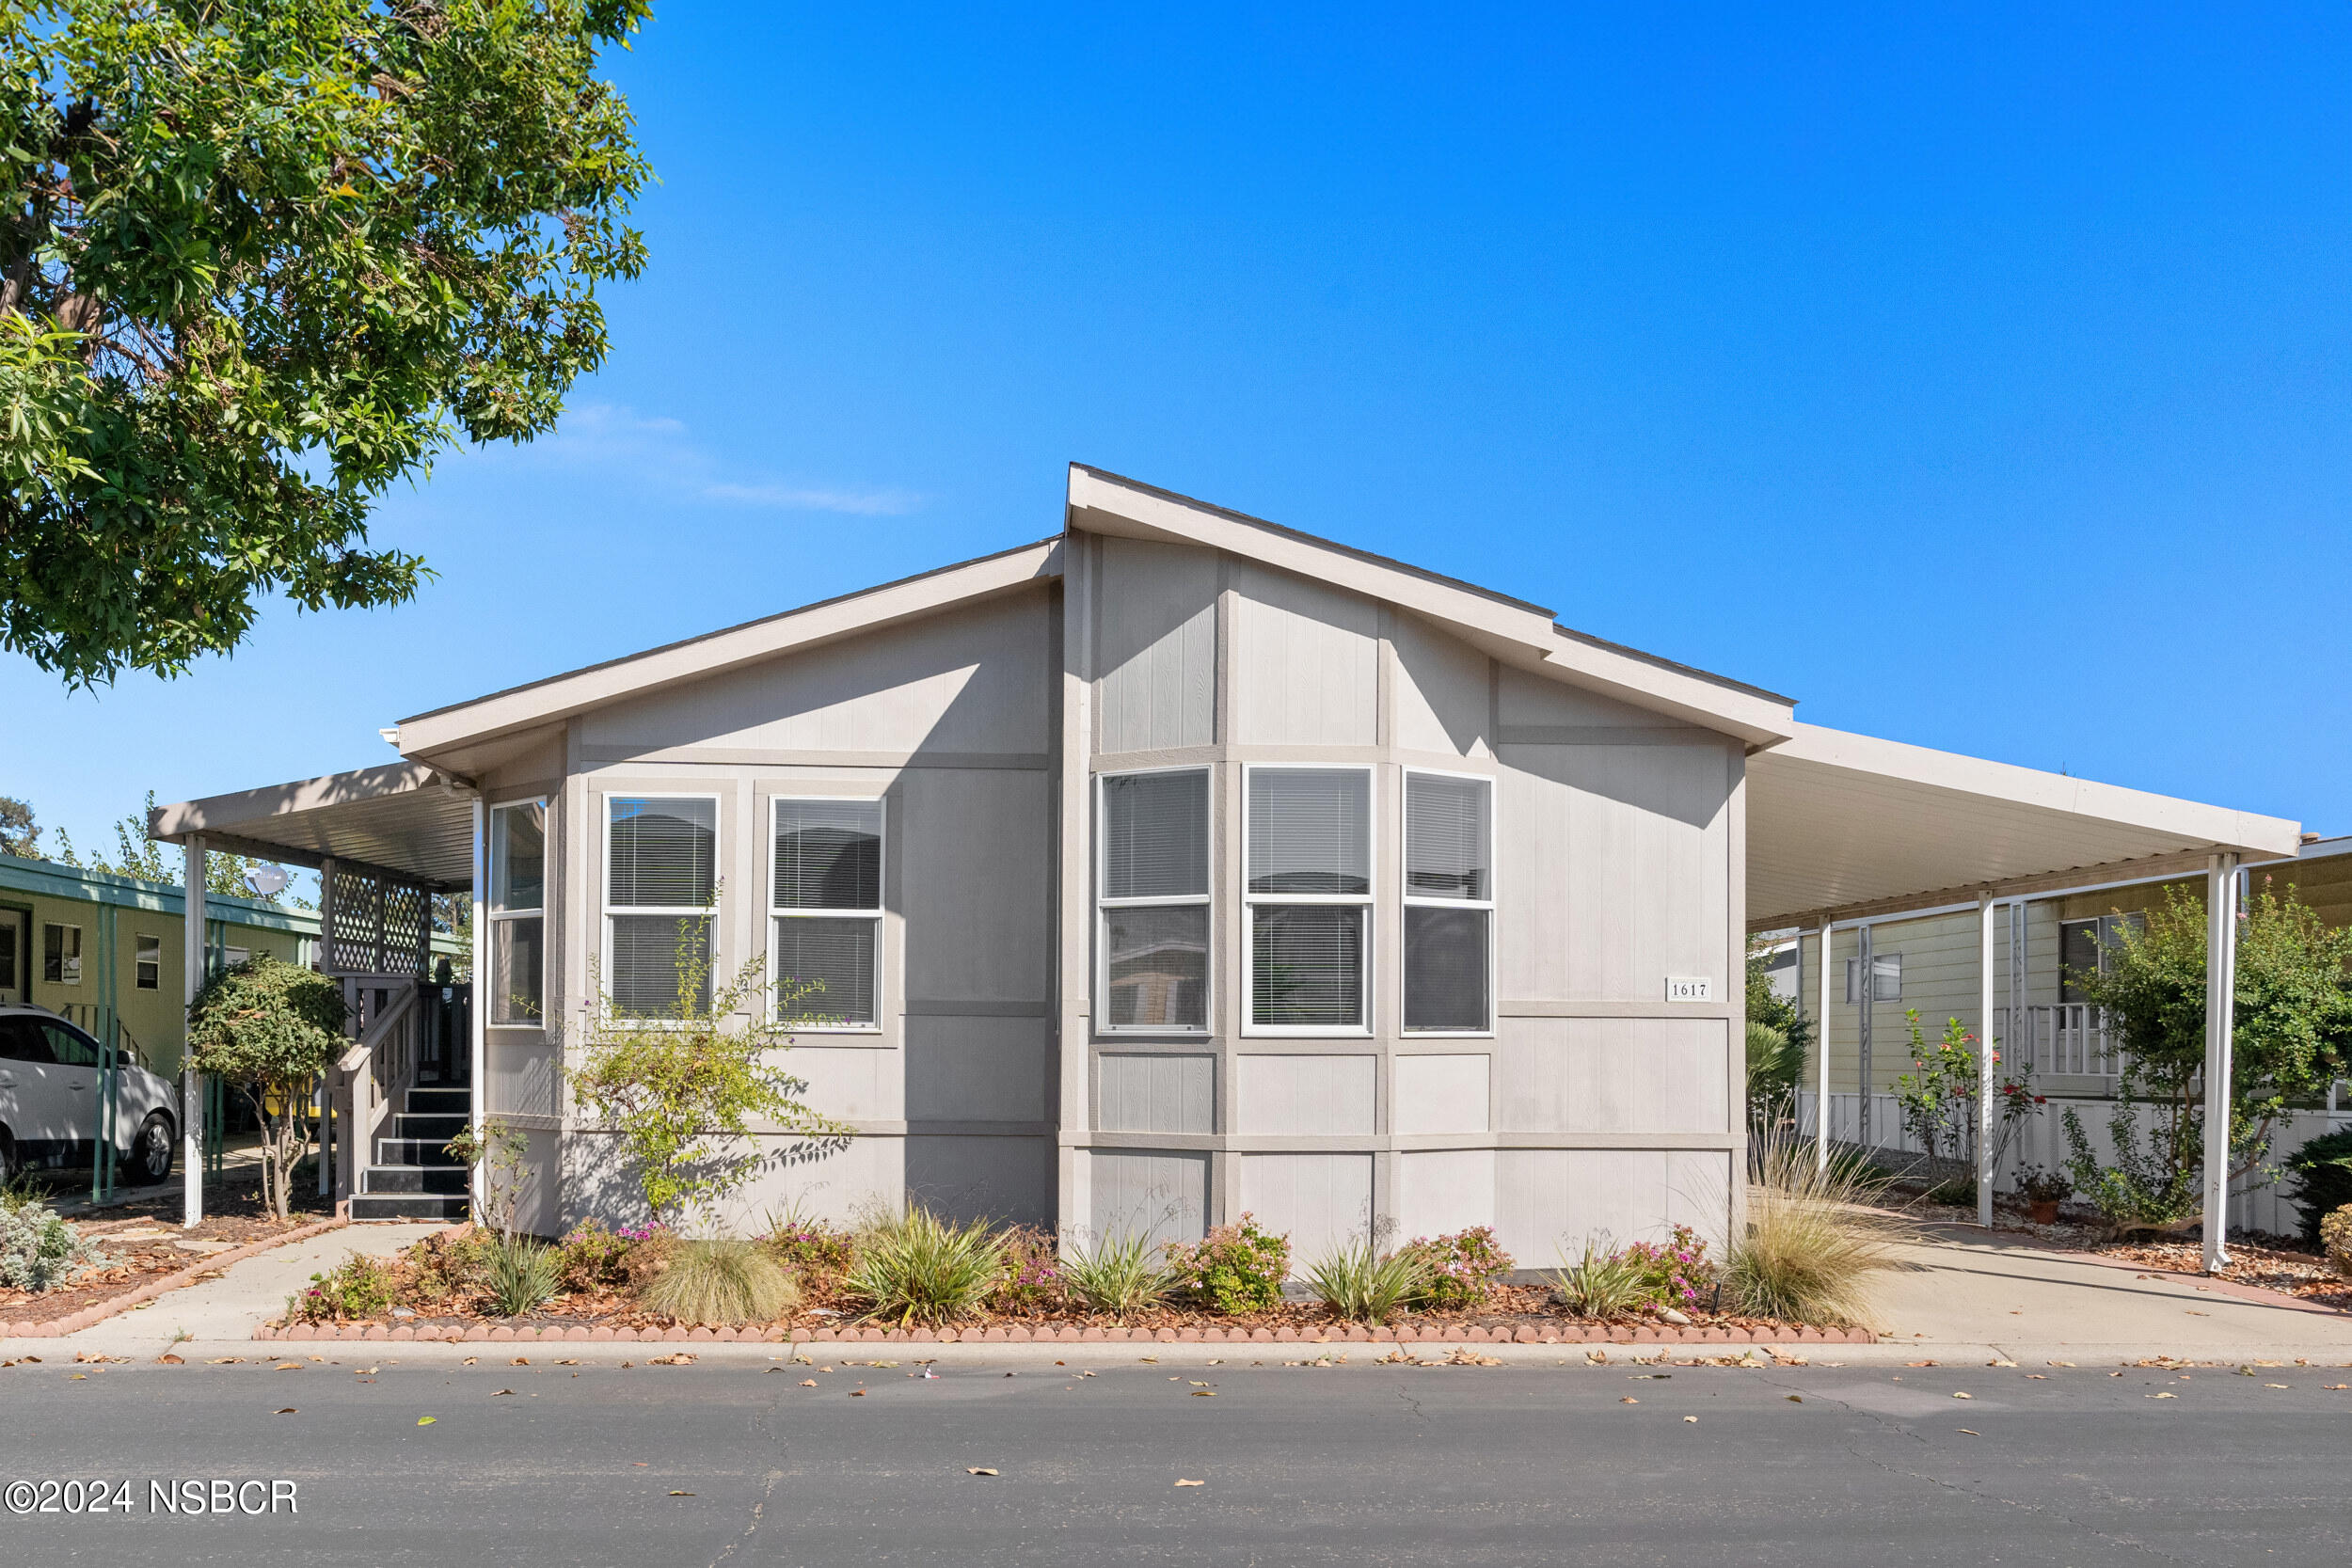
[1404,884]
[488,912]
[478,1042]
[772,914]
[1250,1028]
[1104,904]
[604,881]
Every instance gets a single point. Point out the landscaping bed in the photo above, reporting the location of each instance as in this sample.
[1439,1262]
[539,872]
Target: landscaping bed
[2288,1270]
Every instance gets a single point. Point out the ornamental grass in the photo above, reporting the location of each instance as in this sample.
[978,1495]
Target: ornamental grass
[1816,1239]
[720,1282]
[917,1267]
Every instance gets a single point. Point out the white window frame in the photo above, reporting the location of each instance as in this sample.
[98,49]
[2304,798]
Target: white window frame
[139,961]
[1855,996]
[768,935]
[1103,906]
[493,915]
[604,879]
[1404,874]
[1250,1026]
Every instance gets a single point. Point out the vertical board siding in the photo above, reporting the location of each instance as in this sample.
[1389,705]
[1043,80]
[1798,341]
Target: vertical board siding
[1549,1201]
[1443,699]
[1161,1196]
[975,868]
[1155,1093]
[1319,1200]
[1441,1190]
[850,1084]
[1613,1075]
[1614,869]
[1010,1180]
[1311,1095]
[1306,661]
[1159,649]
[1442,1093]
[977,1069]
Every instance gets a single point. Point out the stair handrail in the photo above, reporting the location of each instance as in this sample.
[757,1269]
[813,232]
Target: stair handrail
[370,1097]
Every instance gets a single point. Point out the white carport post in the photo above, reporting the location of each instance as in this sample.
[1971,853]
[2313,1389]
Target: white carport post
[1986,1063]
[192,924]
[1820,1048]
[2220,1011]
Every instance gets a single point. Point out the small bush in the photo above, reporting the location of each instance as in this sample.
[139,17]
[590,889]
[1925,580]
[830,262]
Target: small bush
[1119,1277]
[817,1252]
[2335,1234]
[37,1250]
[1603,1283]
[358,1286]
[1463,1268]
[446,1268]
[1032,1280]
[591,1258]
[519,1273]
[722,1282]
[2037,1185]
[1674,1271]
[1234,1268]
[918,1268]
[1813,1244]
[2322,1179]
[1355,1282]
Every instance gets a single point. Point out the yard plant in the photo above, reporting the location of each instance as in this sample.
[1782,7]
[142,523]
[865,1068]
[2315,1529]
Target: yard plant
[268,1030]
[1815,1239]
[1118,1276]
[1235,1268]
[2322,1179]
[39,1251]
[1361,1284]
[720,1282]
[915,1267]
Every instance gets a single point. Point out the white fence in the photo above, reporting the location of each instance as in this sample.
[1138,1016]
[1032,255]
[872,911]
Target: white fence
[2068,1037]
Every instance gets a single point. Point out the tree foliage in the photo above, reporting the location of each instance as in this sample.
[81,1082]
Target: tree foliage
[261,261]
[268,1030]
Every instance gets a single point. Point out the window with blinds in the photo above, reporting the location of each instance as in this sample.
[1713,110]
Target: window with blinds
[1152,898]
[517,897]
[825,906]
[1887,976]
[1307,889]
[661,876]
[1449,904]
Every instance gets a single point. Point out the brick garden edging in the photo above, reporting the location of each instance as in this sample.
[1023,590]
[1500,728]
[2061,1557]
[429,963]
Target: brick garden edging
[1525,1335]
[98,1313]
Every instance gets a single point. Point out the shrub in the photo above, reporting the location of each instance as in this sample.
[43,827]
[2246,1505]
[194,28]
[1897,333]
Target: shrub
[358,1286]
[817,1252]
[2037,1185]
[1675,1271]
[918,1268]
[1032,1279]
[1463,1268]
[519,1273]
[1234,1268]
[37,1250]
[2335,1234]
[722,1282]
[1813,1244]
[447,1266]
[1354,1281]
[1120,1277]
[1603,1283]
[2322,1179]
[591,1258]
[2150,1187]
[268,1029]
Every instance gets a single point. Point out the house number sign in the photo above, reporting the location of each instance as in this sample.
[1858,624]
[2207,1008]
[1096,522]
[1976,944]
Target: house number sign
[1689,988]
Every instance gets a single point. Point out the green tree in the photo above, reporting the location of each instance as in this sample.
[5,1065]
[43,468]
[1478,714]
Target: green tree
[19,834]
[2292,1021]
[268,1029]
[261,261]
[1779,1038]
[137,855]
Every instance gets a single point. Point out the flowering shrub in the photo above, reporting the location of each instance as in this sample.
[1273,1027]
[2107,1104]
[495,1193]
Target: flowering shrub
[1939,1102]
[1234,1268]
[592,1257]
[817,1252]
[1032,1279]
[1462,1267]
[2335,1234]
[359,1287]
[1674,1272]
[37,1250]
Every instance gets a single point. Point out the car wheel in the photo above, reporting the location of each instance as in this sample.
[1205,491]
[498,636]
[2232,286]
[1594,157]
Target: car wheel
[151,1152]
[9,1163]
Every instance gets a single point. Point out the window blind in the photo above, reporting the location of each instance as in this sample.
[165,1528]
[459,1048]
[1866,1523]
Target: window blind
[664,854]
[1446,967]
[518,840]
[1309,831]
[644,982]
[1887,970]
[1155,835]
[1158,962]
[828,855]
[825,970]
[1446,838]
[1306,964]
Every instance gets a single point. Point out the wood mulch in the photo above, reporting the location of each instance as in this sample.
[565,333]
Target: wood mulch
[143,1240]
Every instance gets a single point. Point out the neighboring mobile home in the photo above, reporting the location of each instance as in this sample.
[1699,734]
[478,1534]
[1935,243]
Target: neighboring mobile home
[1176,866]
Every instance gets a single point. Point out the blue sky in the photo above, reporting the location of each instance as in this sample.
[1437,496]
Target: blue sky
[1978,375]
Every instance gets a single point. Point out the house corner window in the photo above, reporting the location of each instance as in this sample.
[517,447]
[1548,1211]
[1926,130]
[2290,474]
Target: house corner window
[1449,904]
[661,874]
[1153,900]
[61,954]
[518,912]
[147,961]
[1308,890]
[1887,977]
[825,912]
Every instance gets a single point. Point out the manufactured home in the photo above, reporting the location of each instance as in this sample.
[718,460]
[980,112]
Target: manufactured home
[1174,866]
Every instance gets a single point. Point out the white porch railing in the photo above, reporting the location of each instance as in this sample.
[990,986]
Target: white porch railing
[378,1068]
[2068,1037]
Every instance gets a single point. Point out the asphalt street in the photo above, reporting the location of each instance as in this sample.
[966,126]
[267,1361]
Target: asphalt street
[596,1463]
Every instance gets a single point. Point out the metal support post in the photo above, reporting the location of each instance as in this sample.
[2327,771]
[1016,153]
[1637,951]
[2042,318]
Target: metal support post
[2220,1012]
[191,947]
[1987,1060]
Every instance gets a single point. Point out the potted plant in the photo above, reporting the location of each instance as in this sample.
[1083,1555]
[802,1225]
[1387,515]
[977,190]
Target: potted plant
[2043,1191]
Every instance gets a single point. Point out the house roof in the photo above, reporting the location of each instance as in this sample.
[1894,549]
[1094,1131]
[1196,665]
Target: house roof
[402,819]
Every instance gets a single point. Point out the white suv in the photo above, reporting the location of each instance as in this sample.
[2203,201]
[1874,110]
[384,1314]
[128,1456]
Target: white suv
[49,1089]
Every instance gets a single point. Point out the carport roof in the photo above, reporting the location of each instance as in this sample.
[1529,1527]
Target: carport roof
[402,821]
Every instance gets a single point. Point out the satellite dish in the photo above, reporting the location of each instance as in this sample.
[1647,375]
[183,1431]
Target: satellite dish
[267,881]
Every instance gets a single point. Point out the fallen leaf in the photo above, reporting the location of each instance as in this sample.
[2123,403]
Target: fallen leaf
[1796,1399]
[2336,1386]
[469,1361]
[1919,1363]
[2274,1386]
[1629,1399]
[857,1393]
[287,1367]
[2039,1377]
[426,1420]
[1959,1396]
[367,1372]
[1204,1393]
[574,1361]
[80,1375]
[808,1383]
[502,1391]
[519,1361]
[1192,1483]
[169,1360]
[681,1493]
[215,1361]
[678,1359]
[978,1470]
[2058,1363]
[2164,1396]
[1692,1419]
[290,1410]
[1966,1433]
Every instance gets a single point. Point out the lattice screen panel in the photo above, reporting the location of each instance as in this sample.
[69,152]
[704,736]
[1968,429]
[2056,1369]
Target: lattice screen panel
[376,927]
